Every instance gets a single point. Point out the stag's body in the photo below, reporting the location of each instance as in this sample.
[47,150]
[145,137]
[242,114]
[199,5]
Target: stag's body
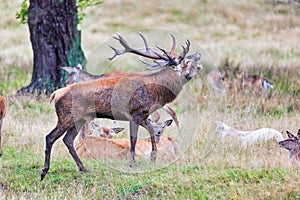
[77,75]
[2,115]
[139,92]
[130,97]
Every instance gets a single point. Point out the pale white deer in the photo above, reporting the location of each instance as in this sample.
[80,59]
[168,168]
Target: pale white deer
[249,137]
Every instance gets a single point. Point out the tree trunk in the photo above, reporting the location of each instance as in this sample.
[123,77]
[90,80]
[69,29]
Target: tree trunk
[55,42]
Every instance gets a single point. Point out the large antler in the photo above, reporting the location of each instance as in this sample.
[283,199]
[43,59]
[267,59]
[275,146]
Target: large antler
[160,60]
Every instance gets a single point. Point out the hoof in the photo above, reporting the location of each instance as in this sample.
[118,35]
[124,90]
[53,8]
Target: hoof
[43,173]
[153,157]
[84,170]
[132,165]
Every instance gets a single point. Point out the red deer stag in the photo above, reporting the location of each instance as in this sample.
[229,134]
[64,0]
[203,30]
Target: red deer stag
[2,115]
[131,97]
[293,145]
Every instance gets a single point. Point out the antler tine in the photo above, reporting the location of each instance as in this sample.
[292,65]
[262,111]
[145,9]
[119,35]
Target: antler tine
[167,58]
[155,65]
[127,49]
[161,56]
[185,50]
[117,52]
[173,45]
[146,44]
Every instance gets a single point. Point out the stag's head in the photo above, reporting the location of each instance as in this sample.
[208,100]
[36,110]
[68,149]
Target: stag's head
[187,66]
[292,142]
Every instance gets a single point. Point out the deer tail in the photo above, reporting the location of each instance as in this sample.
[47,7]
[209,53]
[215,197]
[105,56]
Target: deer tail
[52,96]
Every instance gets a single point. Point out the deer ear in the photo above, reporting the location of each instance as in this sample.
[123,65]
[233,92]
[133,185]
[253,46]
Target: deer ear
[168,122]
[70,70]
[290,135]
[79,66]
[116,130]
[298,134]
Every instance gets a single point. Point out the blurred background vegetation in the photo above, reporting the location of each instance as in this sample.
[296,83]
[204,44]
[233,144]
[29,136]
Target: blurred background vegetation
[255,37]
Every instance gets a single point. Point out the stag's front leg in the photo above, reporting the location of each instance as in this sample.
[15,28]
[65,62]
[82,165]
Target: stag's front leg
[133,126]
[147,125]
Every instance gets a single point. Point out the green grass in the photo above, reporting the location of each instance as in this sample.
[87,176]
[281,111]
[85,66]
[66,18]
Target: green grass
[20,176]
[13,78]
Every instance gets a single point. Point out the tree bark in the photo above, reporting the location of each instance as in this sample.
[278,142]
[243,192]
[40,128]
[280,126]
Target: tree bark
[55,42]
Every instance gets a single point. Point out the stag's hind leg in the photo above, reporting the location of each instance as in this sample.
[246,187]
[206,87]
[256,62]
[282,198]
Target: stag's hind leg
[56,133]
[69,142]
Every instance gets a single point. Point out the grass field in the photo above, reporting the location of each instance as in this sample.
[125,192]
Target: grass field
[257,37]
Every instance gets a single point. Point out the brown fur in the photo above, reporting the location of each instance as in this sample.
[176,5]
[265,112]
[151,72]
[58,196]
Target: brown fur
[216,82]
[255,83]
[2,115]
[76,75]
[118,149]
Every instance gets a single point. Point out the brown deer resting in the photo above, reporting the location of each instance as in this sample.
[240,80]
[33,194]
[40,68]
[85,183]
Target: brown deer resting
[216,83]
[93,147]
[256,83]
[293,145]
[107,147]
[2,115]
[128,97]
[103,131]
